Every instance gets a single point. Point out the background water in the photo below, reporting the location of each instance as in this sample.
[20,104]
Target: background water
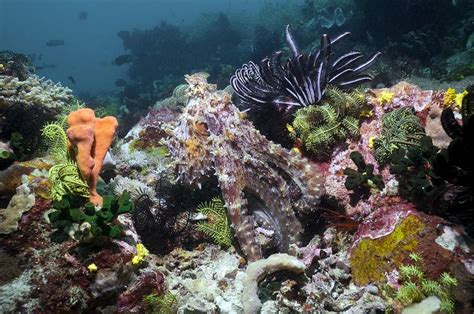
[92,44]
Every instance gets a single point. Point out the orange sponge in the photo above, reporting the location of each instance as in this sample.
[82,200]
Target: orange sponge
[90,139]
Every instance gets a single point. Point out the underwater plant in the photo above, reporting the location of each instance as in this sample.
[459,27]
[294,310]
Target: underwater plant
[161,303]
[321,126]
[217,225]
[455,166]
[401,129]
[84,222]
[56,139]
[413,169]
[302,80]
[415,286]
[64,177]
[362,180]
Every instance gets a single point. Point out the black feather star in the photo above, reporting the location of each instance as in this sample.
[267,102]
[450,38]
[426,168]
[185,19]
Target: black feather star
[303,79]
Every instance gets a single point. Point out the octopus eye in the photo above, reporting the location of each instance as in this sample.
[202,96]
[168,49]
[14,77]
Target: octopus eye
[201,128]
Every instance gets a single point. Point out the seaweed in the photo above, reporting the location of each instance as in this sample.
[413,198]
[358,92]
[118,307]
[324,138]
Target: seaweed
[363,180]
[415,286]
[401,130]
[412,166]
[86,222]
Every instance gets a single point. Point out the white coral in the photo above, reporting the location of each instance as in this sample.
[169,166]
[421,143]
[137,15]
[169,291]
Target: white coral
[34,90]
[135,187]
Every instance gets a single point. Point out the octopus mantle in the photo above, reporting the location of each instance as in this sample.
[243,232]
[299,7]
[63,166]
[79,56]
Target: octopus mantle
[212,134]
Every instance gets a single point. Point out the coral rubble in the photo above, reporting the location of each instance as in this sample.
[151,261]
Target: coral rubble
[212,135]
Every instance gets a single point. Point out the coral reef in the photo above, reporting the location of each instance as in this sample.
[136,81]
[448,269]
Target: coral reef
[401,129]
[15,65]
[25,106]
[211,134]
[217,224]
[336,118]
[387,237]
[415,287]
[256,271]
[83,223]
[21,202]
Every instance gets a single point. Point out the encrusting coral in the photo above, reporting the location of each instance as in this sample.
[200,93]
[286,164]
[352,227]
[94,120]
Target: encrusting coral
[212,135]
[90,139]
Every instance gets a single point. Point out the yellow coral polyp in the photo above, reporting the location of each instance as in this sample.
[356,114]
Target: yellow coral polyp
[453,98]
[372,258]
[140,255]
[371,142]
[386,97]
[290,128]
[296,150]
[92,267]
[458,99]
[366,113]
[449,96]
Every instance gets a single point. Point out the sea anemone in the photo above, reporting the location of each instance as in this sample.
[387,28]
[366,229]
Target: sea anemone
[303,79]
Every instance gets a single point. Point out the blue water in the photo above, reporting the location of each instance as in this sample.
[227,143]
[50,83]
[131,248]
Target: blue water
[92,44]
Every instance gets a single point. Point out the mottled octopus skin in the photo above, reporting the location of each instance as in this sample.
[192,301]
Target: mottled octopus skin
[212,134]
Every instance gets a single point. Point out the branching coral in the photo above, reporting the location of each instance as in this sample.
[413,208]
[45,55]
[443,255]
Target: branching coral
[303,79]
[25,106]
[34,91]
[217,224]
[321,126]
[401,129]
[212,135]
[415,286]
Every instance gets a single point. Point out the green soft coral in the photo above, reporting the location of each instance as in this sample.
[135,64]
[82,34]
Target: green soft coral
[415,286]
[64,177]
[321,126]
[161,303]
[401,128]
[55,137]
[217,224]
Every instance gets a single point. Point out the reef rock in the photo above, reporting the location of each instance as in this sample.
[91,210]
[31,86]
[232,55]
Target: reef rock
[21,202]
[387,237]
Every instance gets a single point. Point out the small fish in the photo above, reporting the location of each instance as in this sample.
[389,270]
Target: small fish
[55,43]
[120,83]
[122,59]
[40,57]
[46,66]
[71,78]
[82,16]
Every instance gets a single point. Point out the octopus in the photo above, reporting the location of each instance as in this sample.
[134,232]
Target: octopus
[213,137]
